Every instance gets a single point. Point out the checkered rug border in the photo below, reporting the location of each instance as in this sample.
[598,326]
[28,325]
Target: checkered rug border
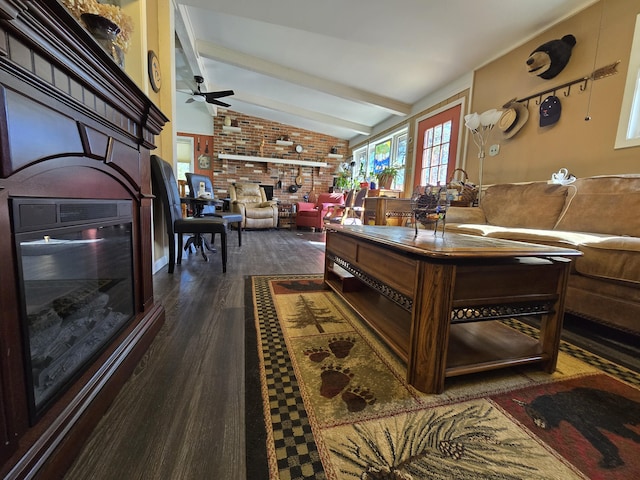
[296,451]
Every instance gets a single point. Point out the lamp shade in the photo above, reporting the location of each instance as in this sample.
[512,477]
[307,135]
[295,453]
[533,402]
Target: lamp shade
[490,117]
[472,121]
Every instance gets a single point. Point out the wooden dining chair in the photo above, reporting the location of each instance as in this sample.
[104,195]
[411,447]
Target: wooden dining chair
[166,188]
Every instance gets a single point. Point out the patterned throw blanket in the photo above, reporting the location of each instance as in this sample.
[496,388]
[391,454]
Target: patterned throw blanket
[336,405]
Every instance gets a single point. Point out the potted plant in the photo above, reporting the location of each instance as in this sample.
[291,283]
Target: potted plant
[344,180]
[386,176]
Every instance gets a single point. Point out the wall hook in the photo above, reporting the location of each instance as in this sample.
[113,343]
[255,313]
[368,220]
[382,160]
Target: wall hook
[583,87]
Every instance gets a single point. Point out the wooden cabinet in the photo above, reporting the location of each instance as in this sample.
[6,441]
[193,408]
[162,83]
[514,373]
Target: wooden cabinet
[387,211]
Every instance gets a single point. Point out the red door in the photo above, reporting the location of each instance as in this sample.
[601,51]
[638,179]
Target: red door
[437,147]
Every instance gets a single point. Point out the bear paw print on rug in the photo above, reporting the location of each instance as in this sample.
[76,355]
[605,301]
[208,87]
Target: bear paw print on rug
[358,398]
[334,380]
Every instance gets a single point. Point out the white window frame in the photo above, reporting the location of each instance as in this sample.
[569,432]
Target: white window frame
[370,147]
[628,134]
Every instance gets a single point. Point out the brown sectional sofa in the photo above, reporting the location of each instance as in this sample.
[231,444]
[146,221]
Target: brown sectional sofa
[600,216]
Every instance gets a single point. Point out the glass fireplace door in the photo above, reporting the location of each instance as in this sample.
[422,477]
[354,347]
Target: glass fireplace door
[76,285]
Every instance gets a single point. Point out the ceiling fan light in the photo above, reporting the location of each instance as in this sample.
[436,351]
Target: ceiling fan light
[199,98]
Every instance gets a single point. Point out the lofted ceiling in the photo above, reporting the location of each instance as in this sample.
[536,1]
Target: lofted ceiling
[340,67]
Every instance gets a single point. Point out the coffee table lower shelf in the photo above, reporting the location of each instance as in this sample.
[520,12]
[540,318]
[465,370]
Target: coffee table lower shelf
[472,347]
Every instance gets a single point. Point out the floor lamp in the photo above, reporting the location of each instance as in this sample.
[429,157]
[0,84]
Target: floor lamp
[481,126]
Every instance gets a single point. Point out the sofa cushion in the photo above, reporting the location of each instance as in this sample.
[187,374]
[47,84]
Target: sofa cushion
[546,237]
[611,258]
[466,215]
[479,229]
[605,204]
[527,205]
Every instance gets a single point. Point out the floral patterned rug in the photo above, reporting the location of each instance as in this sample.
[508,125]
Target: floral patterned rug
[335,404]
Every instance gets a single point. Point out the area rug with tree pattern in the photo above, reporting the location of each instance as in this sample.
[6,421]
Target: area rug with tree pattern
[335,404]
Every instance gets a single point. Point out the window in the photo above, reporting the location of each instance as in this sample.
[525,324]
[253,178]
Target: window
[435,154]
[184,147]
[389,151]
[437,146]
[629,124]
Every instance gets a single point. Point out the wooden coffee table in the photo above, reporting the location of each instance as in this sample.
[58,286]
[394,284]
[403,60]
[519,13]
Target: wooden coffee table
[437,301]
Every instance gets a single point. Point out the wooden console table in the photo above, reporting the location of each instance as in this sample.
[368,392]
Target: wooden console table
[387,211]
[436,301]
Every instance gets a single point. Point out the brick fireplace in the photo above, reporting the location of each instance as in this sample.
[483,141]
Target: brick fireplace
[76,303]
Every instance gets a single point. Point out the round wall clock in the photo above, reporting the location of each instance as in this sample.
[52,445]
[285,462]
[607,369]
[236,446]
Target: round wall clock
[154,71]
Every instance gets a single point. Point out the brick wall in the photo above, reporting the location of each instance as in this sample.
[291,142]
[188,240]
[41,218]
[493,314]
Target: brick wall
[258,138]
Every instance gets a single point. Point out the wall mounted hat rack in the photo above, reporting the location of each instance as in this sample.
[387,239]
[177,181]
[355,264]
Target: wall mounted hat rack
[601,72]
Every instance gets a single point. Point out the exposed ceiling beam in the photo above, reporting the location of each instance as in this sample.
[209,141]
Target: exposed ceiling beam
[308,114]
[185,35]
[242,60]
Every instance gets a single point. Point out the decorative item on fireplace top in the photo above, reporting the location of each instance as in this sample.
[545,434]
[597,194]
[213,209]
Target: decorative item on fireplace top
[112,13]
[106,33]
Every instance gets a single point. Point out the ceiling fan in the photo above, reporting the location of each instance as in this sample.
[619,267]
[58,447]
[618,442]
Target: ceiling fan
[209,97]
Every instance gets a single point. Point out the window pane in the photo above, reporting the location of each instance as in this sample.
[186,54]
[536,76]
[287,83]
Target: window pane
[435,156]
[424,179]
[429,138]
[442,177]
[446,132]
[437,135]
[426,158]
[444,154]
[401,151]
[182,168]
[433,177]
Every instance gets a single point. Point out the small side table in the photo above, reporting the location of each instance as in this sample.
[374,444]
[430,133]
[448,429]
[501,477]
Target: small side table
[286,215]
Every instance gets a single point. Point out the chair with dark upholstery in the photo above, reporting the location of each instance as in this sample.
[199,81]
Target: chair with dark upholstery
[193,182]
[165,188]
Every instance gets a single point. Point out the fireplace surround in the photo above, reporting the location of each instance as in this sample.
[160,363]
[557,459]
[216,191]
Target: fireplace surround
[75,140]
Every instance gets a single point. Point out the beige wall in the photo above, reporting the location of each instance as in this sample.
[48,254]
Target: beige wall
[585,148]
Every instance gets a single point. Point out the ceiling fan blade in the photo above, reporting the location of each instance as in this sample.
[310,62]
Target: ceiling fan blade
[218,102]
[220,94]
[189,100]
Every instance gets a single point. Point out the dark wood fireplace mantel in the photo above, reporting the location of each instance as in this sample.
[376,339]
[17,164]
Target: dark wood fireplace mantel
[72,125]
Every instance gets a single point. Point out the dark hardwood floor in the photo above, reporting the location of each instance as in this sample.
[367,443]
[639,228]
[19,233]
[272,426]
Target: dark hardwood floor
[181,415]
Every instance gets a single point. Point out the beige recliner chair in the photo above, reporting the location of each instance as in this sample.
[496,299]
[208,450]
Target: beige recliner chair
[250,200]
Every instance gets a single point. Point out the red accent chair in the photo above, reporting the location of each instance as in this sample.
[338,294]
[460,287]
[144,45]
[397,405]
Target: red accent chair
[313,214]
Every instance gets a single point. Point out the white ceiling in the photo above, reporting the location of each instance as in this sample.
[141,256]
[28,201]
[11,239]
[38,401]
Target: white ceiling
[340,67]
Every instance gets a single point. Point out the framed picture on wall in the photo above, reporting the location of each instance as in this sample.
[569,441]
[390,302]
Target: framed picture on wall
[204,162]
[382,156]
